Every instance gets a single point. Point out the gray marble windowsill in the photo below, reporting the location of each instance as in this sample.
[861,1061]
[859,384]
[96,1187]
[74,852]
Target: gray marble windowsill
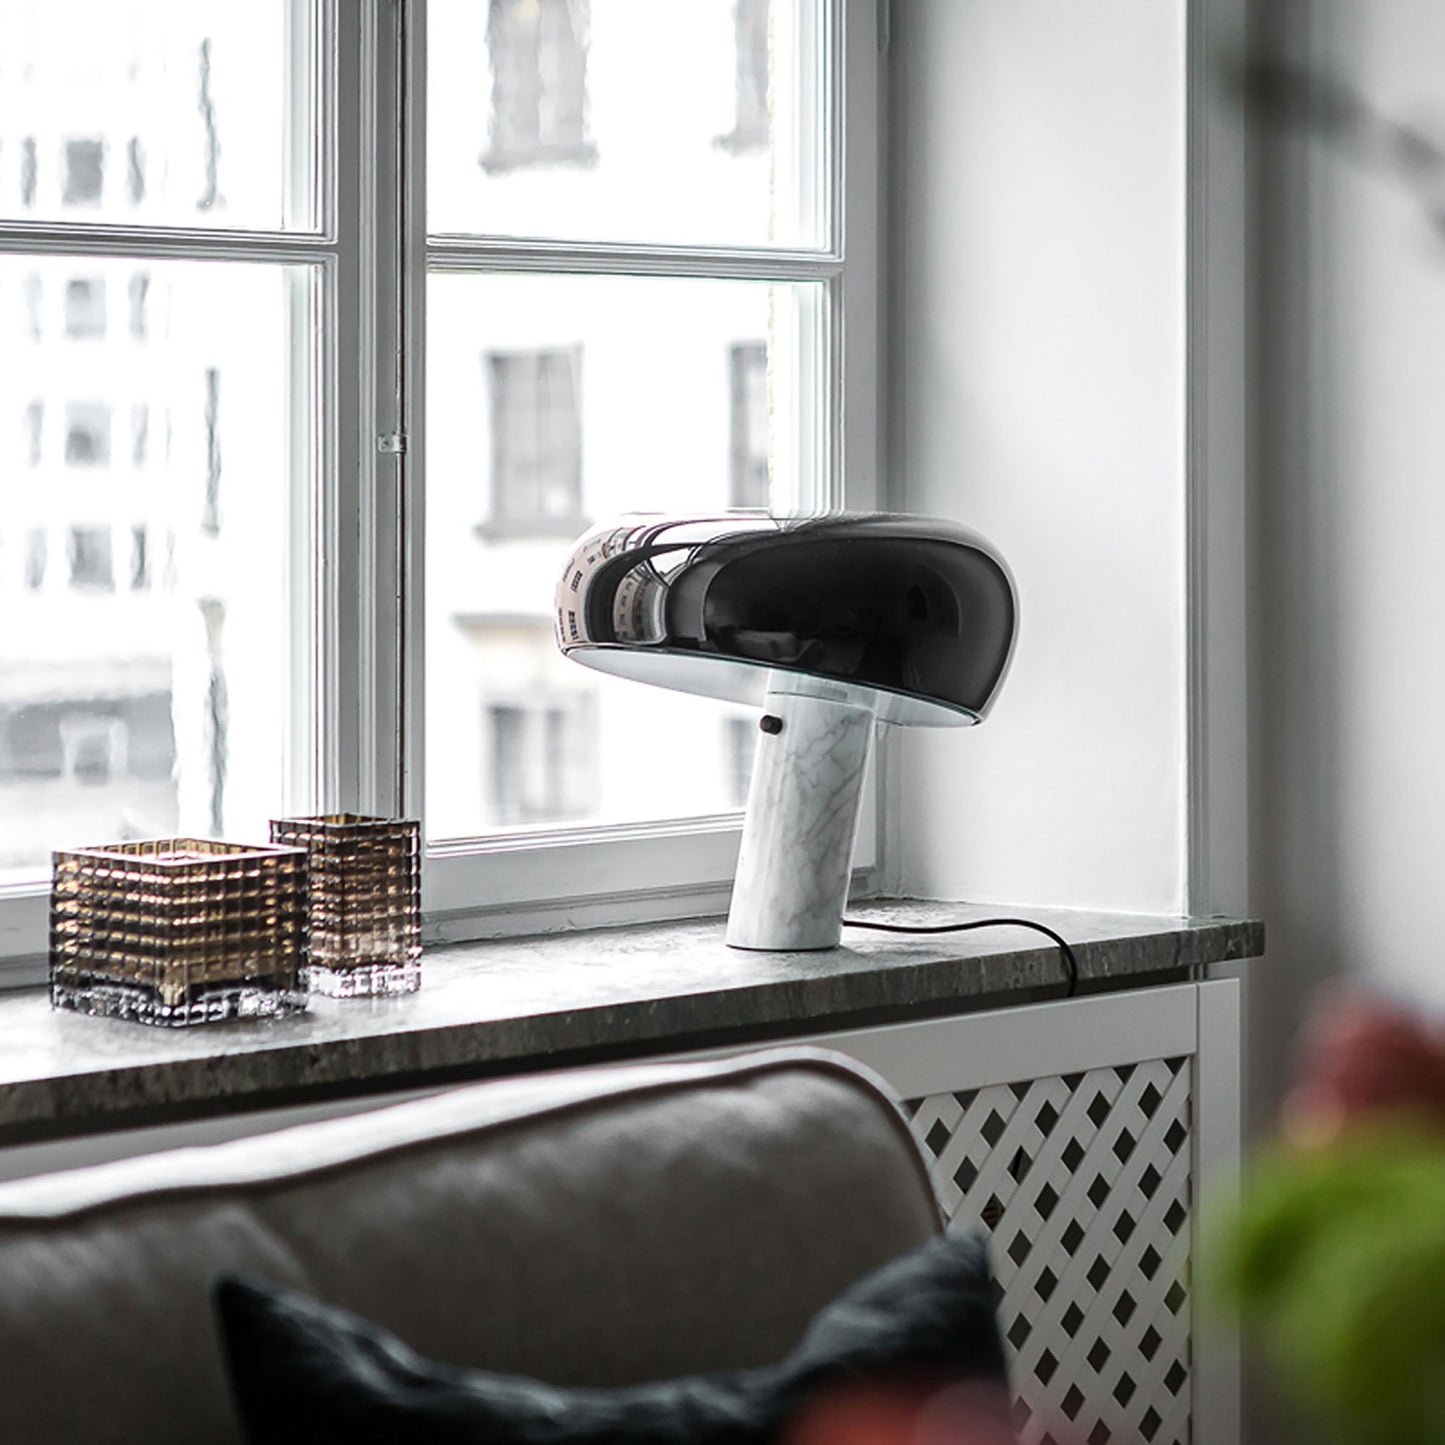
[512,1005]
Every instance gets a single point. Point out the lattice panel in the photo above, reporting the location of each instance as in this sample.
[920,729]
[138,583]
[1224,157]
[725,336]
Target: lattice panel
[1084,1181]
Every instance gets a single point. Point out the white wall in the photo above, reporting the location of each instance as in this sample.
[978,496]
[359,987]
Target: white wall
[1349,667]
[1037,357]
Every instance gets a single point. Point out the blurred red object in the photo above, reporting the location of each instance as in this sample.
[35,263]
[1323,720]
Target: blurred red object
[1359,1057]
[914,1413]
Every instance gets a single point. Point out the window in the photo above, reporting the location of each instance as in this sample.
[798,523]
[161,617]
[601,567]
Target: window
[93,749]
[536,419]
[662,329]
[90,558]
[135,171]
[28,172]
[748,385]
[176,613]
[542,760]
[34,429]
[742,741]
[750,38]
[210,197]
[32,747]
[619,314]
[140,426]
[34,294]
[84,172]
[36,553]
[538,55]
[211,505]
[137,290]
[87,434]
[140,570]
[85,309]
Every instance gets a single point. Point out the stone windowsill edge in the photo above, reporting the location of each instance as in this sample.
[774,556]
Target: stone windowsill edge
[513,1005]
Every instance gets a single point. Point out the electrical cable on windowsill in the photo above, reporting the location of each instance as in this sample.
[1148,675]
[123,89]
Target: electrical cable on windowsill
[1071,962]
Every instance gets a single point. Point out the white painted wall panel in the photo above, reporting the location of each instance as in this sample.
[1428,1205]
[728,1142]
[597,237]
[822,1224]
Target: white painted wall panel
[1038,354]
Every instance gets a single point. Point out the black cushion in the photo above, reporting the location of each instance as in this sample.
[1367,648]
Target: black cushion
[305,1371]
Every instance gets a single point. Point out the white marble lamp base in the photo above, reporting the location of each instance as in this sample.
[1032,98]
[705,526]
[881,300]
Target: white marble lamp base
[802,818]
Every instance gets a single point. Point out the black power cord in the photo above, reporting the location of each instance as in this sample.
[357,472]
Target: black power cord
[1071,962]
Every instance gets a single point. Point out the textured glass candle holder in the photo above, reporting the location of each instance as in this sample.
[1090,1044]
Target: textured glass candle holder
[179,931]
[365,902]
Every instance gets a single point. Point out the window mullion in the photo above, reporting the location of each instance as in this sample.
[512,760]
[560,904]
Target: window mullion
[382,424]
[344,323]
[163,243]
[362,592]
[476,253]
[411,394]
[315,70]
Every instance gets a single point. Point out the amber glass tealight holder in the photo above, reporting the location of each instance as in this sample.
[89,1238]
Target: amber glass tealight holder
[179,931]
[365,902]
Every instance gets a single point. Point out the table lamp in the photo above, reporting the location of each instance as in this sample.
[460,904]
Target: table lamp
[830,624]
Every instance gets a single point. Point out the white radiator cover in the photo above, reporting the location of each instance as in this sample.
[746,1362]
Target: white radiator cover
[1082,1134]
[1084,1182]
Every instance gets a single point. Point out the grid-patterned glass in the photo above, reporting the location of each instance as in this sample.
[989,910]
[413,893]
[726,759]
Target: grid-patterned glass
[365,910]
[179,931]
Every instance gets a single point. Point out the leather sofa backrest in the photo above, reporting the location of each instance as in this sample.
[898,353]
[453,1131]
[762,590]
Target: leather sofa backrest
[596,1227]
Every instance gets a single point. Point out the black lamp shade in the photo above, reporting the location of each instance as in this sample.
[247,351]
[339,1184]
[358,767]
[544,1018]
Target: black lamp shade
[911,616]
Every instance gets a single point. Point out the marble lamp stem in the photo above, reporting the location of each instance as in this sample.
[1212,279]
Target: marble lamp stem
[802,818]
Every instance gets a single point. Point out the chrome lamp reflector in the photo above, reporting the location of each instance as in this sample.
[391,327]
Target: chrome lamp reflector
[829,624]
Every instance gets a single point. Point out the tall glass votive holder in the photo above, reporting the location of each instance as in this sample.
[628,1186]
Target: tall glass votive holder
[365,902]
[178,931]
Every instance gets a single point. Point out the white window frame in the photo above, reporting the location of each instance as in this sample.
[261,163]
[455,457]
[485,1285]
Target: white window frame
[358,741]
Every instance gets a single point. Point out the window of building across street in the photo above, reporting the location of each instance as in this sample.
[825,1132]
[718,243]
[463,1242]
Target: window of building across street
[537,54]
[748,384]
[536,424]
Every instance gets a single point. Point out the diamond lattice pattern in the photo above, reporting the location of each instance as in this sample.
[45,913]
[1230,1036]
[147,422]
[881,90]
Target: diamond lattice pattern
[1084,1182]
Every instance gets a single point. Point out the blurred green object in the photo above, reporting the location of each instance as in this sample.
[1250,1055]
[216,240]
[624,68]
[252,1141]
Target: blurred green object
[1334,1260]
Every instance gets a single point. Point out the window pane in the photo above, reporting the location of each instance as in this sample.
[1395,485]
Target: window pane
[146,491]
[554,402]
[628,120]
[157,112]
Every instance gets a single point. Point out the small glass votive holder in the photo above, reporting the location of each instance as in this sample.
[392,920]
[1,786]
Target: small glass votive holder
[365,902]
[177,931]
